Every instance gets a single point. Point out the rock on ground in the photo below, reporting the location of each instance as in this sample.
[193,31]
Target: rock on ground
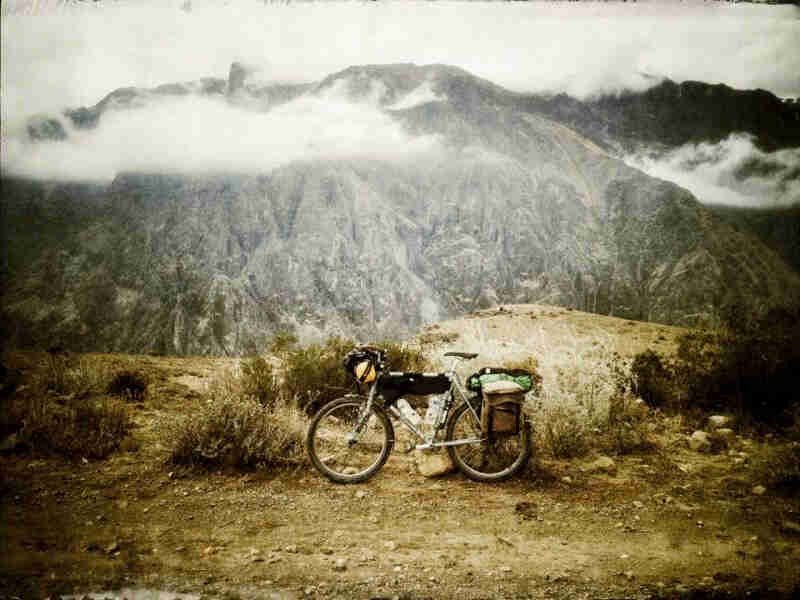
[433,464]
[603,464]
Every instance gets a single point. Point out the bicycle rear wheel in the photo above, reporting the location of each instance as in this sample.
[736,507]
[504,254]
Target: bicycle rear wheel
[495,458]
[341,453]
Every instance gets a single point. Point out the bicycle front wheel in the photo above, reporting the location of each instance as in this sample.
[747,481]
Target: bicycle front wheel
[339,450]
[496,457]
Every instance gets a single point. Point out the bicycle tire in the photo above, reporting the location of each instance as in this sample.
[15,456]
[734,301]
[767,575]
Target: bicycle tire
[518,447]
[326,436]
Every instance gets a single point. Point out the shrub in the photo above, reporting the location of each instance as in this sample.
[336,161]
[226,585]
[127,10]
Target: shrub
[131,385]
[564,432]
[629,426]
[652,381]
[64,374]
[750,367]
[314,375]
[236,431]
[259,380]
[779,468]
[77,427]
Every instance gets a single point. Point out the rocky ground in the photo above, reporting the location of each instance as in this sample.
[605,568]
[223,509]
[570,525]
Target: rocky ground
[643,527]
[690,520]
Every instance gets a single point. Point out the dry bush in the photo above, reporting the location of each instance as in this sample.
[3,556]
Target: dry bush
[67,374]
[74,427]
[563,432]
[748,367]
[130,385]
[314,375]
[259,379]
[231,430]
[778,468]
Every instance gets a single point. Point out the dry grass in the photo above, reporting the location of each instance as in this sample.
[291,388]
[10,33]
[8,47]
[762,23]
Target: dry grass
[234,430]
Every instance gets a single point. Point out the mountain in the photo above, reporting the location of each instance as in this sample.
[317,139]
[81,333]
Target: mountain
[509,203]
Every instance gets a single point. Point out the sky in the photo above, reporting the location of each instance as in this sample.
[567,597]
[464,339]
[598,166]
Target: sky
[55,57]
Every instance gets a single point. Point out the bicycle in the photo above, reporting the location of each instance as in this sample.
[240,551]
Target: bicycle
[350,438]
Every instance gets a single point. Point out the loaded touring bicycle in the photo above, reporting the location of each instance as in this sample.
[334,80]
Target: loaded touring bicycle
[481,424]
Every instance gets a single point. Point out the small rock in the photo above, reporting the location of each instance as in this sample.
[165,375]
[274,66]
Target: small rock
[340,564]
[725,434]
[718,421]
[360,494]
[603,464]
[505,569]
[699,441]
[291,549]
[390,546]
[629,574]
[566,479]
[759,490]
[624,556]
[638,504]
[209,550]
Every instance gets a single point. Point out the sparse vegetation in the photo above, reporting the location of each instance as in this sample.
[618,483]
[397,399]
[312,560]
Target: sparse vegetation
[75,427]
[130,385]
[750,368]
[778,467]
[236,431]
[564,432]
[259,380]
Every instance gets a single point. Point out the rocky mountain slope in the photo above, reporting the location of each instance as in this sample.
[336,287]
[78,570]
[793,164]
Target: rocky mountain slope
[506,205]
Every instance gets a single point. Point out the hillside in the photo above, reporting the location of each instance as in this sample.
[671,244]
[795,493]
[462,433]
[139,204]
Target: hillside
[467,196]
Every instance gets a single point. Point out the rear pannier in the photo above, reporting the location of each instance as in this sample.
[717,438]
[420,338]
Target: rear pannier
[501,408]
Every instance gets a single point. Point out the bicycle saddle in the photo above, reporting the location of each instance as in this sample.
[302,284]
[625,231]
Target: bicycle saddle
[461,354]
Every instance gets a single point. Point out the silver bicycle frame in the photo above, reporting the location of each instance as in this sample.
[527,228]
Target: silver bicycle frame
[455,385]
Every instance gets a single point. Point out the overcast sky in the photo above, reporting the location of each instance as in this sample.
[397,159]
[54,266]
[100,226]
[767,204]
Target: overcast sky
[60,57]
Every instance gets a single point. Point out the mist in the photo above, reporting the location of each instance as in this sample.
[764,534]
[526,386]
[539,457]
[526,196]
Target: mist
[733,172]
[210,135]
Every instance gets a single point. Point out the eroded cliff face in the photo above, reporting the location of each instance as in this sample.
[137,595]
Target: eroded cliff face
[507,206]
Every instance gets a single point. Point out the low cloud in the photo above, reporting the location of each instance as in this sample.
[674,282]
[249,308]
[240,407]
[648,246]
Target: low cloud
[733,172]
[208,135]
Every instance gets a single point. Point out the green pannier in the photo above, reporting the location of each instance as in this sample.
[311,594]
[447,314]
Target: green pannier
[522,378]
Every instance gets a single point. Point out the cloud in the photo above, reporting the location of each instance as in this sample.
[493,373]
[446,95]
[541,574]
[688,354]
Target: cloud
[195,134]
[733,172]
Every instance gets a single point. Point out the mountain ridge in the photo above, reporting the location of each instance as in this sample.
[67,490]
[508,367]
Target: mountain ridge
[510,207]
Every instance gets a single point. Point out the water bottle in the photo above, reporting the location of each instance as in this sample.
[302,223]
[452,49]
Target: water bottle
[434,413]
[409,413]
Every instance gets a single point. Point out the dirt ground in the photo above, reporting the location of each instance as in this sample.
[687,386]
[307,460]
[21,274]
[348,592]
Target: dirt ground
[670,524]
[650,531]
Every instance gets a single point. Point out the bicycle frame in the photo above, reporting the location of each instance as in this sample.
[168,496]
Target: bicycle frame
[455,386]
